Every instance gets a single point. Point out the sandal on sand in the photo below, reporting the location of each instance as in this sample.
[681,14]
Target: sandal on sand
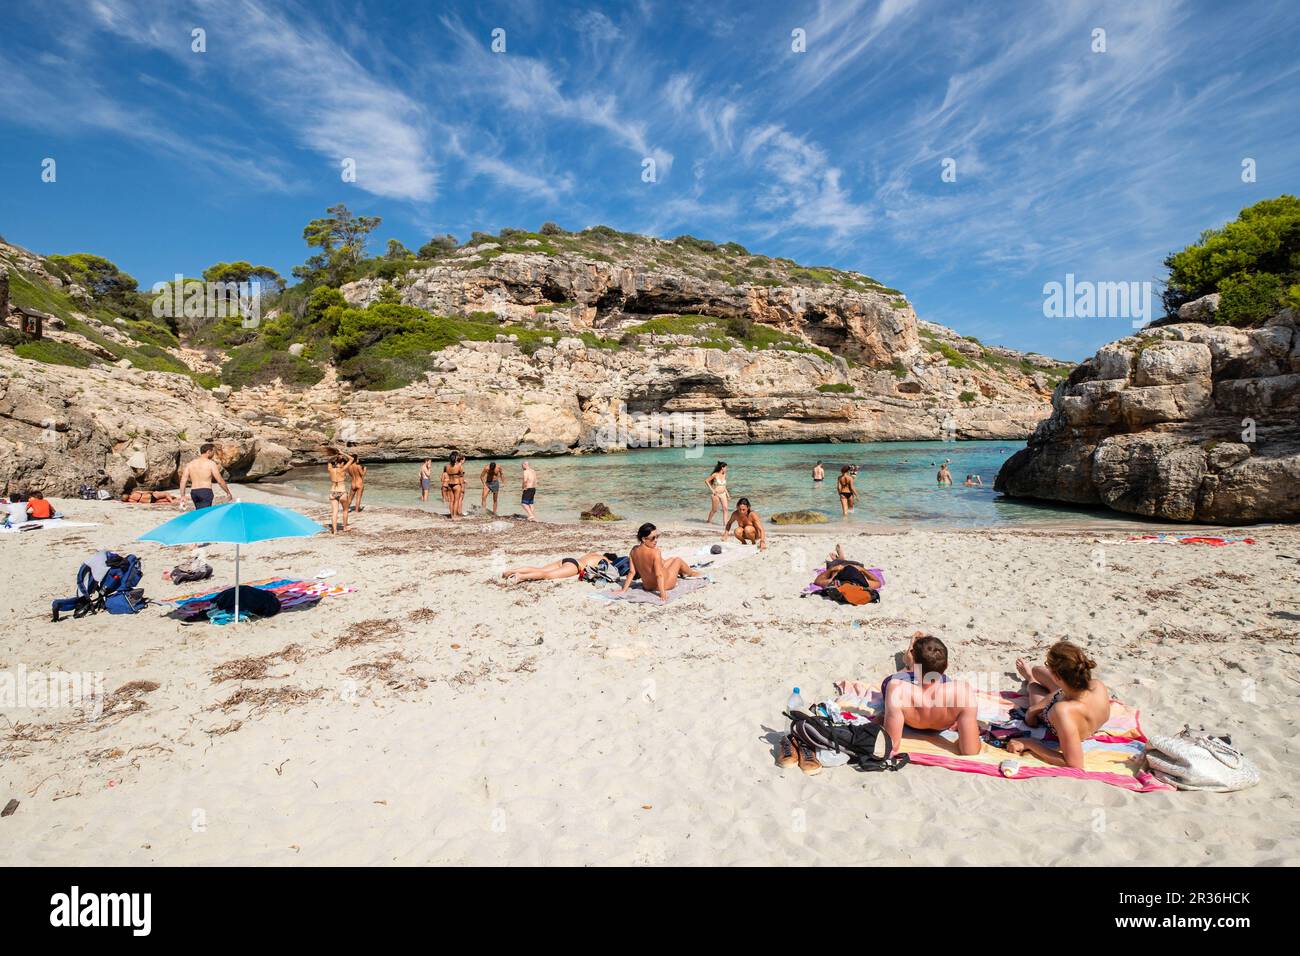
[808,761]
[787,754]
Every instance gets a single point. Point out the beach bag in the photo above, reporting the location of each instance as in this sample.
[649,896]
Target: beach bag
[131,601]
[105,574]
[193,570]
[610,570]
[87,493]
[252,600]
[860,741]
[1200,762]
[848,593]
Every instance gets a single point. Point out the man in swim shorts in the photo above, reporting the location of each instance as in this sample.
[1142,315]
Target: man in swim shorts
[199,475]
[529,491]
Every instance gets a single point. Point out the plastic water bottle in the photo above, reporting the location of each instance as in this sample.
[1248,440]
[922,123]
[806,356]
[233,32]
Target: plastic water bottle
[794,703]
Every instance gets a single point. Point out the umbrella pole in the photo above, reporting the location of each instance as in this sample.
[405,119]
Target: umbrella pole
[236,583]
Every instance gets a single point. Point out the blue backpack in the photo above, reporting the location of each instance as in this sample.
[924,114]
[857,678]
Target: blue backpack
[114,590]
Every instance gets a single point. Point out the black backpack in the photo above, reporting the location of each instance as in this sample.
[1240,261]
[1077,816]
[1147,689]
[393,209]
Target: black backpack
[859,741]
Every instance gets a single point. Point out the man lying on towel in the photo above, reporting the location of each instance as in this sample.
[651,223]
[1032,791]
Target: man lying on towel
[923,698]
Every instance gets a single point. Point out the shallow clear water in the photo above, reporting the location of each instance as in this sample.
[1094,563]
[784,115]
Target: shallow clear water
[896,484]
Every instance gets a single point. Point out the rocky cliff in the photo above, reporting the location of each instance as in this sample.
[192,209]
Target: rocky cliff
[1187,422]
[604,341]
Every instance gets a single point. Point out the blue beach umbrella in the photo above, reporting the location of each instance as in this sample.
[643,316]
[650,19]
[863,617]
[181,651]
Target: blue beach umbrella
[235,523]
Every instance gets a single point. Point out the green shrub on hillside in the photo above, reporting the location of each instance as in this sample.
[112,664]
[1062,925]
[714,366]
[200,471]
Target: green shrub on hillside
[1254,261]
[837,388]
[258,364]
[55,353]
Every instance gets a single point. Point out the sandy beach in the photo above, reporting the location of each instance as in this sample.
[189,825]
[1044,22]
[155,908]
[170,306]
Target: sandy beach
[436,715]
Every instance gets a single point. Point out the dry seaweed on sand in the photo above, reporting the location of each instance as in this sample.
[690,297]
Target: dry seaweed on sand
[128,699]
[422,615]
[254,668]
[229,728]
[367,632]
[261,699]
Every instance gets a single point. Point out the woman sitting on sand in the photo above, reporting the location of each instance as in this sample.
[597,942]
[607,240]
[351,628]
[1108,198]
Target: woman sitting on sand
[556,570]
[717,485]
[749,527]
[1066,699]
[649,565]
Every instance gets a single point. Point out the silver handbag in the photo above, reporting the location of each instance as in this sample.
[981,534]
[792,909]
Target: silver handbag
[1199,762]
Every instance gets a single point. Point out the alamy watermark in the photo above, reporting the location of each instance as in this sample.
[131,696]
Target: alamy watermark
[1084,299]
[196,299]
[21,689]
[624,429]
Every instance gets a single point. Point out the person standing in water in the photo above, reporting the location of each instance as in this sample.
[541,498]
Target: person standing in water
[529,491]
[491,478]
[426,477]
[338,472]
[456,484]
[819,472]
[719,500]
[357,475]
[844,485]
[945,476]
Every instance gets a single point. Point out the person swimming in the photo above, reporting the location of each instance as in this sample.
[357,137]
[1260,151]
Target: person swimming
[1065,699]
[657,574]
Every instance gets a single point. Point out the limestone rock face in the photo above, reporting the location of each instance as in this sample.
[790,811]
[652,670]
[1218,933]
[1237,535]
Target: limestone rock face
[114,428]
[1187,422]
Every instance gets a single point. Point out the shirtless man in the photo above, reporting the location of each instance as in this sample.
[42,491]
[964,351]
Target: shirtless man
[357,476]
[818,472]
[198,477]
[529,491]
[426,476]
[649,565]
[923,698]
[749,527]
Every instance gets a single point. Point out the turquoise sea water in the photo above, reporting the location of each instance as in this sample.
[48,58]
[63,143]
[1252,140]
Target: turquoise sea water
[896,484]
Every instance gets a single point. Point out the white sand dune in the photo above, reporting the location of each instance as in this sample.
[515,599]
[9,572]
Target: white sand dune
[439,716]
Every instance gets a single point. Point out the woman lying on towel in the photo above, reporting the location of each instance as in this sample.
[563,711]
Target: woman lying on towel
[563,568]
[649,565]
[1066,699]
[840,570]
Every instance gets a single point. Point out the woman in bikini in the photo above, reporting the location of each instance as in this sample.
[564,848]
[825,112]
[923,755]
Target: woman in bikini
[717,485]
[648,564]
[338,471]
[564,568]
[1065,698]
[844,484]
[749,527]
[456,485]
[491,478]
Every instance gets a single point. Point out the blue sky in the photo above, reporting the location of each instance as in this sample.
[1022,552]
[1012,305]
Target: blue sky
[1067,160]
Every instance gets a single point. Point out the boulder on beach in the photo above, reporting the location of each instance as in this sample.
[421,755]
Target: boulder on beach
[800,517]
[599,512]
